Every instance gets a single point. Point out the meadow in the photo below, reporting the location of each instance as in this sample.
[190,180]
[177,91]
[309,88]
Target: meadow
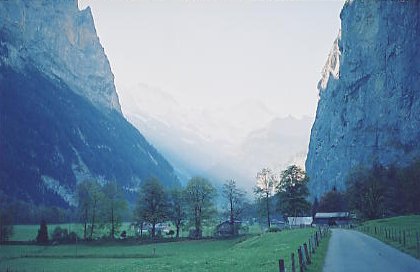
[392,231]
[29,232]
[257,252]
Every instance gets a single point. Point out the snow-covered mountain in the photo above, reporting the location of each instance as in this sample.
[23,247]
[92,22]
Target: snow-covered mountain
[221,143]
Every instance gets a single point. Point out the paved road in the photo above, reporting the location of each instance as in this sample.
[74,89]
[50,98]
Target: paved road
[352,251]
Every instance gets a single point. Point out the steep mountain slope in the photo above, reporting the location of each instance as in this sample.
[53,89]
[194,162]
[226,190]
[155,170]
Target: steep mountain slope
[369,107]
[60,119]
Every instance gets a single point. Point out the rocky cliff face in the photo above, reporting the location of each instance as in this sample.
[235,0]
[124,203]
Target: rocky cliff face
[60,119]
[369,106]
[61,42]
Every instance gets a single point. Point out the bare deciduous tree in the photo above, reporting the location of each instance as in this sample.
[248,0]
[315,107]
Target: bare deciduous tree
[235,198]
[266,183]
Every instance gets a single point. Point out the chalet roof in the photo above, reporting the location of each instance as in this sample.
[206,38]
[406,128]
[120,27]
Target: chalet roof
[276,221]
[332,215]
[228,222]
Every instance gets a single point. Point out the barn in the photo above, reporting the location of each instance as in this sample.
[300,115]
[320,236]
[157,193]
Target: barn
[332,219]
[224,229]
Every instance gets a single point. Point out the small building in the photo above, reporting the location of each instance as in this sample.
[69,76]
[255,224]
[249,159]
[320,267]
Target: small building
[277,223]
[332,219]
[224,229]
[162,228]
[302,221]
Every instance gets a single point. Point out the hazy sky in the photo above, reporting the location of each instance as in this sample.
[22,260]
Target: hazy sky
[208,53]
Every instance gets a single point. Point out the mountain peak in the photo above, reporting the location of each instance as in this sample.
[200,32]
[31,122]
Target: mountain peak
[61,121]
[58,37]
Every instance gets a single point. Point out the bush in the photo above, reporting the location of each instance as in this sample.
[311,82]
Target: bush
[72,237]
[62,235]
[274,229]
[59,234]
[244,229]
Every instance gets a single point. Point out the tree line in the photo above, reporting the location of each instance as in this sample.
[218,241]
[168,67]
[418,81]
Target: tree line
[101,206]
[376,192]
[191,206]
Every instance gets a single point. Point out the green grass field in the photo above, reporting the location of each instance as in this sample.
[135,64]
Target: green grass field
[391,231]
[249,253]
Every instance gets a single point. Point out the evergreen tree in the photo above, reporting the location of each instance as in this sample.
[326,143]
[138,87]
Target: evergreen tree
[42,237]
[315,207]
[6,224]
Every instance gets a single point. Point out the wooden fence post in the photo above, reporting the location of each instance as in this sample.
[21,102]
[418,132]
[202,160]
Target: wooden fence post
[404,238]
[316,239]
[418,244]
[310,247]
[301,267]
[313,245]
[399,238]
[308,258]
[281,265]
[293,262]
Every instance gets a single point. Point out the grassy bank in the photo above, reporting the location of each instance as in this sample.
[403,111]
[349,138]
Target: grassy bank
[393,230]
[250,253]
[318,258]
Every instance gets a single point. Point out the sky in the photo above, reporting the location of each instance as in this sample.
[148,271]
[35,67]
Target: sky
[209,54]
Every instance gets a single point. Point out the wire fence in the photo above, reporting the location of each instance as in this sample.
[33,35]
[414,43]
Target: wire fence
[406,238]
[302,258]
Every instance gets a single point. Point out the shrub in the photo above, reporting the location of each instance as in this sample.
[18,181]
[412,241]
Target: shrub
[274,229]
[72,237]
[60,234]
